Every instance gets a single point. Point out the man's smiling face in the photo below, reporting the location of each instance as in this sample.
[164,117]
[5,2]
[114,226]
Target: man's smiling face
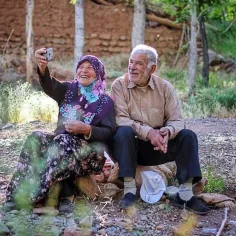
[138,71]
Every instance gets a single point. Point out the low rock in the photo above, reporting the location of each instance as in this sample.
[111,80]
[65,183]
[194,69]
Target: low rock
[3,229]
[8,126]
[46,211]
[10,224]
[110,190]
[160,227]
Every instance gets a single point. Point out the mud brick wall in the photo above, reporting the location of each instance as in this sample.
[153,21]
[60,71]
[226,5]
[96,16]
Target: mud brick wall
[107,28]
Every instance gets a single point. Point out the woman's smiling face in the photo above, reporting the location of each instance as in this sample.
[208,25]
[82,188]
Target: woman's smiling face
[86,74]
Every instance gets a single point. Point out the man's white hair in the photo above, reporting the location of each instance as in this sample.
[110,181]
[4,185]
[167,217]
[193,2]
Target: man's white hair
[150,52]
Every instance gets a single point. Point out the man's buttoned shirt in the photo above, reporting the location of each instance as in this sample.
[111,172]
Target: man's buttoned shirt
[143,108]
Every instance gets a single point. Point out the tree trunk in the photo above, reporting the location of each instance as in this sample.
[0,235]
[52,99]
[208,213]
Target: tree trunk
[79,31]
[205,68]
[29,40]
[139,21]
[192,62]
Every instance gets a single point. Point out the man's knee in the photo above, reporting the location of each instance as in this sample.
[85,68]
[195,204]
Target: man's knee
[124,132]
[188,134]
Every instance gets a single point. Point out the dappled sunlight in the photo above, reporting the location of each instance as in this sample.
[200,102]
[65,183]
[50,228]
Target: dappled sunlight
[39,107]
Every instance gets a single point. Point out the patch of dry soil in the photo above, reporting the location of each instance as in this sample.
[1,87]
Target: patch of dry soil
[217,149]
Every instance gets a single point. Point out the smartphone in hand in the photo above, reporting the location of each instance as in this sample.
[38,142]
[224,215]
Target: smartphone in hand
[48,54]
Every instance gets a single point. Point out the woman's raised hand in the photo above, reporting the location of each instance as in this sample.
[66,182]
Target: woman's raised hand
[41,60]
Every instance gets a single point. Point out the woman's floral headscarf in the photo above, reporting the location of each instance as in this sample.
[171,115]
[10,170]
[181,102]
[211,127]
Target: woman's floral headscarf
[100,83]
[88,104]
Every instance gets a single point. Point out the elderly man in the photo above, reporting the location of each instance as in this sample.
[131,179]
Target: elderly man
[151,130]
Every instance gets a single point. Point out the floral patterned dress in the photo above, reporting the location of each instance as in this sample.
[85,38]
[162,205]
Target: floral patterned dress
[47,158]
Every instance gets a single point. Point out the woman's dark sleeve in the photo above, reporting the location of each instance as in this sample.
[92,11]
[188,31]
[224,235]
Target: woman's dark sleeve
[52,87]
[106,128]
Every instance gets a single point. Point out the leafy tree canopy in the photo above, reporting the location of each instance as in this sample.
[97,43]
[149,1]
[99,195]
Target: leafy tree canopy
[213,9]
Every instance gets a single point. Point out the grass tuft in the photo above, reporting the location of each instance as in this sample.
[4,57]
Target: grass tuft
[215,184]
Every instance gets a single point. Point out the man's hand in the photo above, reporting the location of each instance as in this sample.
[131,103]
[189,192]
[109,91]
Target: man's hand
[77,127]
[41,60]
[156,139]
[165,133]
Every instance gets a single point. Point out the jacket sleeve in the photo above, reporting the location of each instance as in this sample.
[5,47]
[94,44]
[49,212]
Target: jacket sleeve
[122,112]
[52,87]
[106,128]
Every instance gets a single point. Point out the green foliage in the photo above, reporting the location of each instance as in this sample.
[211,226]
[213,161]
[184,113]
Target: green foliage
[218,99]
[215,184]
[167,208]
[211,102]
[20,103]
[177,77]
[228,98]
[46,111]
[12,100]
[137,232]
[82,209]
[4,113]
[213,9]
[191,108]
[116,65]
[211,96]
[220,9]
[21,226]
[180,9]
[221,37]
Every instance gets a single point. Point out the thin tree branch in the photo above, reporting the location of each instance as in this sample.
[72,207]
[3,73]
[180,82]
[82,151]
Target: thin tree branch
[103,2]
[6,44]
[180,45]
[223,222]
[228,27]
[163,21]
[211,27]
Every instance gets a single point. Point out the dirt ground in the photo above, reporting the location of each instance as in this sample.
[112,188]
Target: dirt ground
[217,149]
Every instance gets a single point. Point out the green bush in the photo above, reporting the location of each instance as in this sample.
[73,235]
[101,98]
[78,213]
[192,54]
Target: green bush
[209,97]
[220,39]
[221,80]
[12,100]
[45,111]
[20,103]
[177,77]
[215,184]
[4,113]
[227,98]
[191,108]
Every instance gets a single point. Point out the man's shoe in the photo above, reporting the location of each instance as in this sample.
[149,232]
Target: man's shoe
[127,201]
[65,206]
[193,205]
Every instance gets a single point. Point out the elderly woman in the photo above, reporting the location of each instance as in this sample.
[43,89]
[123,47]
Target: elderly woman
[76,148]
